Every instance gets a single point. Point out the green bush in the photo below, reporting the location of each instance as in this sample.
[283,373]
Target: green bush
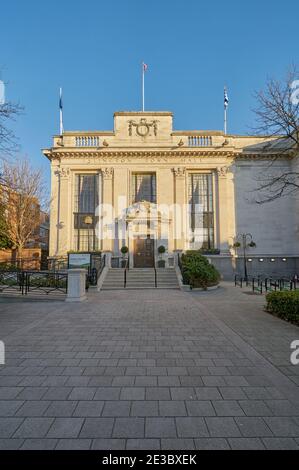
[197,271]
[161,249]
[284,304]
[124,250]
[5,266]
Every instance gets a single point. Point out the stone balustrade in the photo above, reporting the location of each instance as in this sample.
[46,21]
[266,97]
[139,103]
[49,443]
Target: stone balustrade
[87,141]
[200,141]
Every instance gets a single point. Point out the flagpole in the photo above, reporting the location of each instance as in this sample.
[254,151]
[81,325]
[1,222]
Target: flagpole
[60,112]
[143,86]
[225,110]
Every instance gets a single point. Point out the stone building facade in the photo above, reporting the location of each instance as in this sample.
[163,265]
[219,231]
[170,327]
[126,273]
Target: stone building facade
[145,184]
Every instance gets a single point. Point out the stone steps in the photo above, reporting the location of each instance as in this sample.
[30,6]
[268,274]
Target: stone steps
[138,278]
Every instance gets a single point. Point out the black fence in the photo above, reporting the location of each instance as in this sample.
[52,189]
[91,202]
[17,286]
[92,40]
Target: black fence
[95,271]
[268,284]
[24,282]
[27,282]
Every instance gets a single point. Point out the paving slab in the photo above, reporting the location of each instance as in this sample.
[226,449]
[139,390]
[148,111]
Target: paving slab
[157,370]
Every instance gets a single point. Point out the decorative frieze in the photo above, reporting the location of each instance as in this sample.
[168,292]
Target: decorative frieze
[170,155]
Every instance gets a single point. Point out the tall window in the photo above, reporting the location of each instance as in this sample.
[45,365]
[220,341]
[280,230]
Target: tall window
[201,213]
[85,204]
[143,187]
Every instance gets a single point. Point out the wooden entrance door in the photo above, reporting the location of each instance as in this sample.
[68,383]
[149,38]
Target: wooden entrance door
[143,252]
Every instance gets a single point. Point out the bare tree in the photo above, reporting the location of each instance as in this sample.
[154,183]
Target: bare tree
[22,192]
[277,114]
[8,140]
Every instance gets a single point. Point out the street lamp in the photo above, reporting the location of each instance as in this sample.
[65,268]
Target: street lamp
[244,241]
[88,222]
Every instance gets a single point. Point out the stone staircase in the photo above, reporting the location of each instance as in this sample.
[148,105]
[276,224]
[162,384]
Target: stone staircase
[140,278]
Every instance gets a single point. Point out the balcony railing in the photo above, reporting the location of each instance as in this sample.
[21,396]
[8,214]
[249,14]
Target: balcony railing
[87,141]
[200,141]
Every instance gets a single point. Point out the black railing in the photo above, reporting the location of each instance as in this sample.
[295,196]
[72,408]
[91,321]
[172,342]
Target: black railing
[95,272]
[125,272]
[25,282]
[257,285]
[268,284]
[12,281]
[46,282]
[155,276]
[180,265]
[238,280]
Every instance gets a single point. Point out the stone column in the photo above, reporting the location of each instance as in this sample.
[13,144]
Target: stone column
[63,213]
[224,212]
[108,212]
[76,279]
[180,216]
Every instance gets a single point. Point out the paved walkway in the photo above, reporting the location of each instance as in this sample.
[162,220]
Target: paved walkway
[148,369]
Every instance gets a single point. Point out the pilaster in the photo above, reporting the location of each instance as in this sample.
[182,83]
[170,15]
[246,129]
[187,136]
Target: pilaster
[224,208]
[108,209]
[180,215]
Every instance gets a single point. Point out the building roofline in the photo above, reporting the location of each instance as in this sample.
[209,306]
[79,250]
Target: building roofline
[143,113]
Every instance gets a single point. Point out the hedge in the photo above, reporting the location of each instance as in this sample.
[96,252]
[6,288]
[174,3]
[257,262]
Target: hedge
[197,271]
[284,304]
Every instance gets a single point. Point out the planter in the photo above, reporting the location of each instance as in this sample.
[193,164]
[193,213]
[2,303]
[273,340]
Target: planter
[161,263]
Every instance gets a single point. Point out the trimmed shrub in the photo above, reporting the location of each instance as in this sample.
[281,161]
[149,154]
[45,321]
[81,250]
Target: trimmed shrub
[284,304]
[124,250]
[197,271]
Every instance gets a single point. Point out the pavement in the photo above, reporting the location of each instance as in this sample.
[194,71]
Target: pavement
[152,369]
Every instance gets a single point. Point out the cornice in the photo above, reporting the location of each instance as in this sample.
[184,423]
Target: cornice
[169,154]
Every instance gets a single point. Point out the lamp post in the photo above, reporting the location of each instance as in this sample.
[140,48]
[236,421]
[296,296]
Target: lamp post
[244,240]
[88,222]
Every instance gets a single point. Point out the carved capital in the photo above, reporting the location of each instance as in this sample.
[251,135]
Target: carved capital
[62,172]
[179,172]
[222,171]
[107,173]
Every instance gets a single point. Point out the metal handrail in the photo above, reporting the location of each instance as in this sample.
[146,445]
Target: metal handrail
[155,276]
[125,272]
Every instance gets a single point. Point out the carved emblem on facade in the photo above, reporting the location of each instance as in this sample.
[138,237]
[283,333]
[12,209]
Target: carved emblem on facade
[143,127]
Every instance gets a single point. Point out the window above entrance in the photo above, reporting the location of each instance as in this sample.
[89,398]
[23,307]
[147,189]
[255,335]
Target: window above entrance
[143,187]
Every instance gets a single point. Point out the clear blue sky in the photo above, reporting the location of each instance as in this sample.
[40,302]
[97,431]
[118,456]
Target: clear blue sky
[94,48]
